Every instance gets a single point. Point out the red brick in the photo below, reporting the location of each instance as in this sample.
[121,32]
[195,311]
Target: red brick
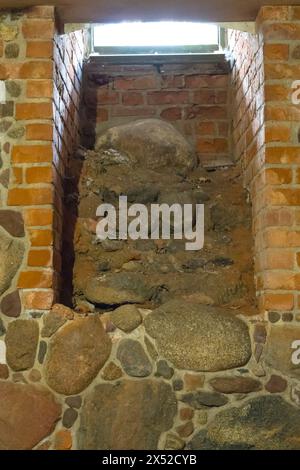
[40,258]
[274,13]
[39,300]
[39,132]
[283,155]
[40,89]
[28,111]
[167,97]
[132,99]
[38,217]
[278,133]
[41,237]
[32,153]
[206,112]
[39,49]
[206,81]
[171,114]
[281,31]
[119,111]
[279,176]
[30,196]
[138,83]
[36,70]
[276,52]
[35,279]
[38,29]
[212,145]
[205,128]
[39,174]
[278,301]
[40,12]
[107,97]
[208,96]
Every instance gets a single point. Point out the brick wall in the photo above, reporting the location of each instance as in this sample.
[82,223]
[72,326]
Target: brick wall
[41,71]
[193,97]
[266,139]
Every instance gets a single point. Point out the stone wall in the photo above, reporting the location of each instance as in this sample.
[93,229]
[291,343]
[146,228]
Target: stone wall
[193,97]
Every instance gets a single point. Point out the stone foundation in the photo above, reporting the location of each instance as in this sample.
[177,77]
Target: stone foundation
[167,349]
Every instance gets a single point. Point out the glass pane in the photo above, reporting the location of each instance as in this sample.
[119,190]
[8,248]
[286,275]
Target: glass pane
[155,34]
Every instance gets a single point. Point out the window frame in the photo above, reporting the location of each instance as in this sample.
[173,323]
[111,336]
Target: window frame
[161,51]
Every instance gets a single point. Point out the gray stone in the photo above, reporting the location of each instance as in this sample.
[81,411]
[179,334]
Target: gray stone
[4,177]
[42,351]
[2,328]
[133,417]
[69,417]
[7,109]
[21,342]
[177,385]
[126,317]
[133,358]
[264,423]
[150,142]
[16,132]
[74,402]
[76,354]
[11,256]
[198,400]
[173,442]
[117,289]
[12,50]
[198,337]
[164,370]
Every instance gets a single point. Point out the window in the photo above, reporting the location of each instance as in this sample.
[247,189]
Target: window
[156,38]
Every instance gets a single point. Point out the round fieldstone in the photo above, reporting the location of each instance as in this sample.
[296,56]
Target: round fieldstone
[276,384]
[133,358]
[11,305]
[21,344]
[12,222]
[4,372]
[173,442]
[12,50]
[153,142]
[127,318]
[74,402]
[111,372]
[2,328]
[69,417]
[34,375]
[42,351]
[11,256]
[16,132]
[263,423]
[164,370]
[13,88]
[4,176]
[76,354]
[199,400]
[235,384]
[199,337]
[106,422]
[57,317]
[28,414]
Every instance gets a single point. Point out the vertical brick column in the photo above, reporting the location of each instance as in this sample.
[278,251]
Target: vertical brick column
[42,72]
[278,214]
